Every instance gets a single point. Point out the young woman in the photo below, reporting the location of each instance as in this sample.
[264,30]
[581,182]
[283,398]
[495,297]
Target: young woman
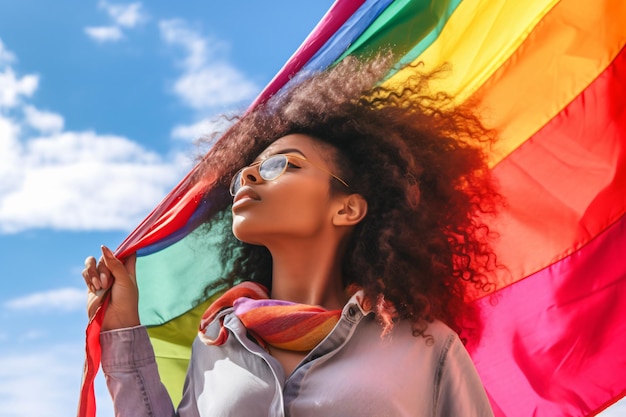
[356,216]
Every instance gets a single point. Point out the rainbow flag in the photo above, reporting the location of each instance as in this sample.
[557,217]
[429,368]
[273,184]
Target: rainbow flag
[550,76]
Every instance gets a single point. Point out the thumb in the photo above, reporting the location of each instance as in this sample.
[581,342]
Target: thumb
[129,264]
[123,306]
[124,273]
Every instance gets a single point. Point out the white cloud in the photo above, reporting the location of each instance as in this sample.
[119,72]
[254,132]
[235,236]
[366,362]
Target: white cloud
[46,382]
[61,299]
[45,122]
[201,129]
[12,87]
[6,56]
[208,80]
[73,180]
[10,152]
[216,85]
[104,33]
[125,15]
[176,32]
[85,181]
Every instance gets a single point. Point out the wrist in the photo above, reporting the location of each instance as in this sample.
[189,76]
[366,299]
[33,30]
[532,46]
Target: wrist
[120,321]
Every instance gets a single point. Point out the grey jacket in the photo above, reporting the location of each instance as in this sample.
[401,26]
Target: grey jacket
[353,372]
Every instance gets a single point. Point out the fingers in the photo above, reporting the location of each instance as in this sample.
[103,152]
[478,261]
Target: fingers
[114,266]
[97,274]
[104,274]
[109,273]
[92,274]
[90,270]
[130,263]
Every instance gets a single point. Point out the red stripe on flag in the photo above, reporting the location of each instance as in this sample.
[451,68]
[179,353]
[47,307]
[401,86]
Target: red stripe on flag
[567,183]
[87,400]
[554,343]
[168,217]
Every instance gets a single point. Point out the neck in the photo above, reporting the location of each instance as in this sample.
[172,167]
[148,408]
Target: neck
[309,273]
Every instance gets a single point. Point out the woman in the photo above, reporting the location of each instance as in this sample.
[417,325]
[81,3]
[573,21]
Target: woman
[356,216]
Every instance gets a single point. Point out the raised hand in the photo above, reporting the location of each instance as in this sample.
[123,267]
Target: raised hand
[110,274]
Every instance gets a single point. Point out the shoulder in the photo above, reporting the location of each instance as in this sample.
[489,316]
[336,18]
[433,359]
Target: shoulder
[434,335]
[428,350]
[456,385]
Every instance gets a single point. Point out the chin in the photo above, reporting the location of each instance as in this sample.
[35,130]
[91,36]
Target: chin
[246,236]
[250,241]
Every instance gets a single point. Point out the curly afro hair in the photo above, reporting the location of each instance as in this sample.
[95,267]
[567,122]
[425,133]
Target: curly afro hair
[418,160]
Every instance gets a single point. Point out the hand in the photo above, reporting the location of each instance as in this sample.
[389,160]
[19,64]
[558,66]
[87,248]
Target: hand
[109,273]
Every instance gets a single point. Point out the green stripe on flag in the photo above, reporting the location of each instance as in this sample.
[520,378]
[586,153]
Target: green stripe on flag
[174,278]
[402,26]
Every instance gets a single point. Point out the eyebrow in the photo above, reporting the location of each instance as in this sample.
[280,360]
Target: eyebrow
[284,151]
[290,150]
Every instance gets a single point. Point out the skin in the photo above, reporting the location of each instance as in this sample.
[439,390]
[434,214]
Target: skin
[304,227]
[109,273]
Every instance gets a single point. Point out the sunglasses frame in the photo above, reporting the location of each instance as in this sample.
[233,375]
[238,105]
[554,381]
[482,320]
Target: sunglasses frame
[258,165]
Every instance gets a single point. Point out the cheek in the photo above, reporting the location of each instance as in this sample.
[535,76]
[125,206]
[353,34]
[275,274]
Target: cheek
[295,211]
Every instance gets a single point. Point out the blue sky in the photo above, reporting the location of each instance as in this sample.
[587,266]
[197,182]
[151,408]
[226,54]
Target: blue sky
[99,105]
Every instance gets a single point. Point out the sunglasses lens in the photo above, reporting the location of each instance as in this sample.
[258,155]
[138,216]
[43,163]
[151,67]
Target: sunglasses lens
[269,169]
[235,184]
[273,167]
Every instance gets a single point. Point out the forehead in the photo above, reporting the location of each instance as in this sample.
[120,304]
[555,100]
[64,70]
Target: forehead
[308,146]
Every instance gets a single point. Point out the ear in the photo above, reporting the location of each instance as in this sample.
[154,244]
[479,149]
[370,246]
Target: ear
[352,210]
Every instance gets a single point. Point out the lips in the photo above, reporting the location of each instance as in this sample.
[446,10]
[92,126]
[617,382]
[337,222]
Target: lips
[245,194]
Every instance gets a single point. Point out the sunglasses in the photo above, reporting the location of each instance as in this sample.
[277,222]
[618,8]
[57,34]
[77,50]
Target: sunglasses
[273,167]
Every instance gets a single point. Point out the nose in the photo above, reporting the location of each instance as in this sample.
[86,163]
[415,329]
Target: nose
[250,174]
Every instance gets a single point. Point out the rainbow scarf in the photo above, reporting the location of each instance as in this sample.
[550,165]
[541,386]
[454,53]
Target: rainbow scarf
[277,323]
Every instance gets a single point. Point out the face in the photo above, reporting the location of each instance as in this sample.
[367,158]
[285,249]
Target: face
[296,205]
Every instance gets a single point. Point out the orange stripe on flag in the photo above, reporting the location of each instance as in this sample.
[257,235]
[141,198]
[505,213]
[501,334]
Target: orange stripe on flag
[571,46]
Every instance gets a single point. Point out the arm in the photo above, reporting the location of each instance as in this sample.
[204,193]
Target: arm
[131,374]
[127,355]
[459,391]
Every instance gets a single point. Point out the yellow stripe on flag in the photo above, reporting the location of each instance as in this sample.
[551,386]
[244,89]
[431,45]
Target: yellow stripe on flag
[573,44]
[478,38]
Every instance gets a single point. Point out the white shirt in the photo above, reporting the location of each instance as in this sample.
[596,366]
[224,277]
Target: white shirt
[352,372]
